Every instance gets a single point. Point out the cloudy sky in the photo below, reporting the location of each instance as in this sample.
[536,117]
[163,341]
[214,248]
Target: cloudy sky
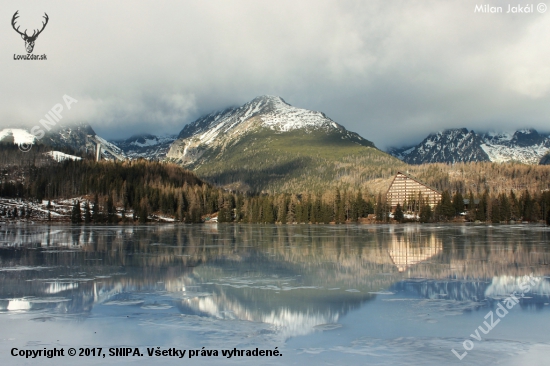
[393,71]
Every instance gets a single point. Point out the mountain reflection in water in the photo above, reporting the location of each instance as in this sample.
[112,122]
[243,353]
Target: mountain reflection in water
[295,278]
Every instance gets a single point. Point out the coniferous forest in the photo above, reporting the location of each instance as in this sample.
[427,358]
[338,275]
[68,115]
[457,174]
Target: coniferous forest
[110,192]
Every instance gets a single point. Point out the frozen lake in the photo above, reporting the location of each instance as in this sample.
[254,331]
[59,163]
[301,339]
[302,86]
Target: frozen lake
[317,294]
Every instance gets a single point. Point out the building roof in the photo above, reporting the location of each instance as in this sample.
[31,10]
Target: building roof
[416,180]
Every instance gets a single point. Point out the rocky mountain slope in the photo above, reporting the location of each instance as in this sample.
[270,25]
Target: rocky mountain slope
[78,138]
[460,145]
[146,146]
[269,144]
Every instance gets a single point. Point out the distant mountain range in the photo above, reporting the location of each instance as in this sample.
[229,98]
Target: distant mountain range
[460,145]
[146,146]
[269,144]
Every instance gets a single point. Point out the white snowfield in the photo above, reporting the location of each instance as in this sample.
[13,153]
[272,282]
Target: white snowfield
[500,148]
[156,140]
[20,136]
[526,155]
[59,156]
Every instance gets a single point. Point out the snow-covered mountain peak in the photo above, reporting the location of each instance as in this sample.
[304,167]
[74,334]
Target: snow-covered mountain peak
[267,114]
[267,103]
[452,145]
[449,134]
[264,111]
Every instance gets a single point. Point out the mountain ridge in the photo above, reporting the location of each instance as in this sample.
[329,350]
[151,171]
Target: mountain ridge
[460,145]
[207,139]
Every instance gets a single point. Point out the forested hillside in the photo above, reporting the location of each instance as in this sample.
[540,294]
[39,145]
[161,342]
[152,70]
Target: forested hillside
[295,161]
[131,191]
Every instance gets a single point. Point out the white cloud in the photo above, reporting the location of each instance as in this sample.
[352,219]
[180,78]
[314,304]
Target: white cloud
[390,70]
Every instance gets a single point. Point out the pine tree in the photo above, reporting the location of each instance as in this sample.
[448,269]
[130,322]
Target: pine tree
[447,209]
[181,207]
[514,206]
[458,203]
[472,213]
[495,213]
[239,203]
[299,213]
[95,210]
[313,212]
[282,209]
[369,208]
[379,208]
[535,215]
[504,203]
[76,217]
[291,213]
[143,214]
[363,206]
[425,213]
[87,214]
[526,204]
[481,211]
[267,210]
[480,214]
[398,214]
[338,207]
[306,209]
[222,214]
[489,209]
[342,209]
[111,210]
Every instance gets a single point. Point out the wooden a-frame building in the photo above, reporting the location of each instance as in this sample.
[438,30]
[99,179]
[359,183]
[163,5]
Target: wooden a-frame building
[405,186]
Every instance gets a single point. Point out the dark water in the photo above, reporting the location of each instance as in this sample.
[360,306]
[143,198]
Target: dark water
[320,294]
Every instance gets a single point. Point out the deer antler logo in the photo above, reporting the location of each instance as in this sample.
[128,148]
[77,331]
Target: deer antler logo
[29,40]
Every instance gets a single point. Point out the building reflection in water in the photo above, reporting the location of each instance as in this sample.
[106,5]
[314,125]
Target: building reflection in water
[408,248]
